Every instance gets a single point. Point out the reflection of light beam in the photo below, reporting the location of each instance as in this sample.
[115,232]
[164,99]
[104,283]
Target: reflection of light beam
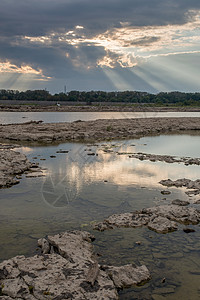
[117,80]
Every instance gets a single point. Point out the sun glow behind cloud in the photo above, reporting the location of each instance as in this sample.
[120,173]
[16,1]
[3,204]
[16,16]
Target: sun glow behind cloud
[128,46]
[123,48]
[19,77]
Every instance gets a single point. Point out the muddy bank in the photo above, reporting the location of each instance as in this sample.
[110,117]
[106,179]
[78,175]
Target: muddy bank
[66,269]
[95,130]
[13,164]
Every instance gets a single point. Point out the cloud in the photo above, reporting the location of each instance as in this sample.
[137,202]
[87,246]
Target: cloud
[8,67]
[69,39]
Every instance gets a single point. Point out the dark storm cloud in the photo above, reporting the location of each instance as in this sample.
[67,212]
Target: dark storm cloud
[27,17]
[145,41]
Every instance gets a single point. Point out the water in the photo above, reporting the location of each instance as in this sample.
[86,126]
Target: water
[55,117]
[79,189]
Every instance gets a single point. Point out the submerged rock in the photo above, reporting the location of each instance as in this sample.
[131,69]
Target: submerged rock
[161,219]
[67,269]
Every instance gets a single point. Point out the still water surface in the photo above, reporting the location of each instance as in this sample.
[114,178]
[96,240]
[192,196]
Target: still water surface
[55,117]
[79,189]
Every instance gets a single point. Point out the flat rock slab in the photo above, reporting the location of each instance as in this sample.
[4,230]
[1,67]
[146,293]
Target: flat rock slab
[67,269]
[161,219]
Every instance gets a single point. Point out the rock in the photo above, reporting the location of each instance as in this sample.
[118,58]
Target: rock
[161,219]
[62,151]
[35,174]
[12,163]
[165,192]
[166,158]
[44,244]
[70,272]
[188,230]
[162,224]
[189,184]
[180,202]
[93,273]
[197,202]
[128,275]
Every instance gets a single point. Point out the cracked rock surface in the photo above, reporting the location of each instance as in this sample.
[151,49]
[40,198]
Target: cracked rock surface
[67,269]
[161,219]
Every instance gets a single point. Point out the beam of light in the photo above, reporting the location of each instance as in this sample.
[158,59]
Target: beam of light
[127,45]
[18,81]
[179,72]
[119,83]
[19,77]
[154,81]
[164,74]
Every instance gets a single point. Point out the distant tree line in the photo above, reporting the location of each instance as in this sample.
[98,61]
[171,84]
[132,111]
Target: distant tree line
[163,98]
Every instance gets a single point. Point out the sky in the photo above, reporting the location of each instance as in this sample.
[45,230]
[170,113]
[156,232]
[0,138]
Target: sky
[109,45]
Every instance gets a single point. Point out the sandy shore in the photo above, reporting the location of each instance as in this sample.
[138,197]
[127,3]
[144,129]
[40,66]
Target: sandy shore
[98,130]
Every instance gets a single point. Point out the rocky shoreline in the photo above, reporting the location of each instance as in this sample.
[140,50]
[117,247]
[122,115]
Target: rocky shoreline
[66,269]
[13,164]
[97,130]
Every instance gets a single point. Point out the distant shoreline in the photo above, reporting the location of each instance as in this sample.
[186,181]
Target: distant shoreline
[38,107]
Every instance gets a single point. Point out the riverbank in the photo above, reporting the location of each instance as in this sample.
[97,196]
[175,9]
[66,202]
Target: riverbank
[44,276]
[98,130]
[102,107]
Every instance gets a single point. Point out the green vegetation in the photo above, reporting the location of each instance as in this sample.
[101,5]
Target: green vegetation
[92,97]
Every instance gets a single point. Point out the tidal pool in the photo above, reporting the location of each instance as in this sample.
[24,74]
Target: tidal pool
[87,183]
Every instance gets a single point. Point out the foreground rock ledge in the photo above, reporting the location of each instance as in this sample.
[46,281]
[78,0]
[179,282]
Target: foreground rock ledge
[67,269]
[161,219]
[95,130]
